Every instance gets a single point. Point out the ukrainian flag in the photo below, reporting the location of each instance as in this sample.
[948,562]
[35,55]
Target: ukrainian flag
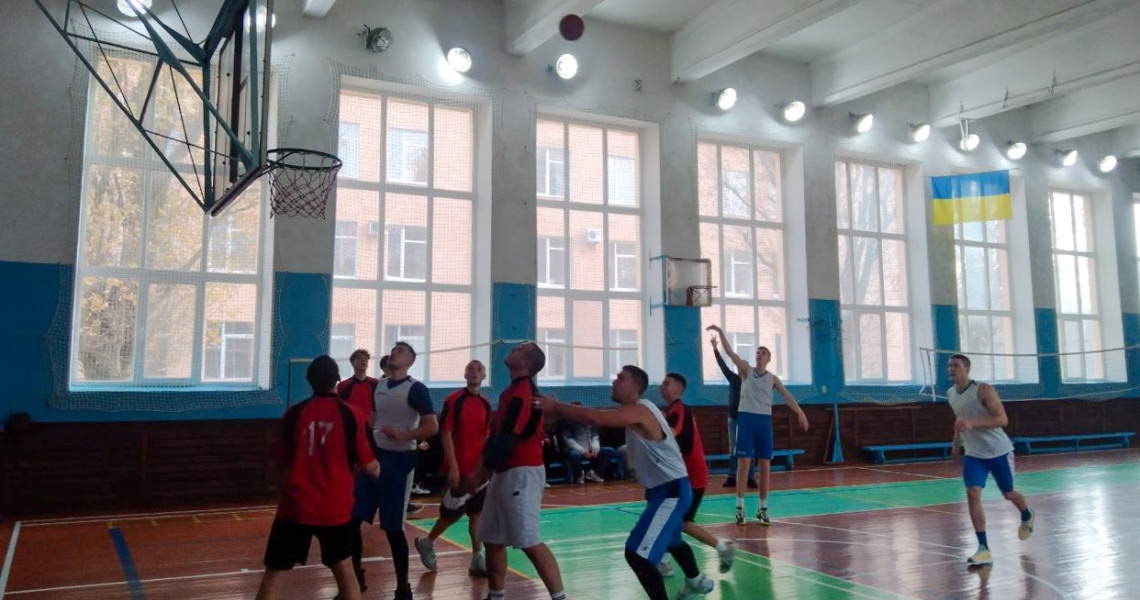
[974,197]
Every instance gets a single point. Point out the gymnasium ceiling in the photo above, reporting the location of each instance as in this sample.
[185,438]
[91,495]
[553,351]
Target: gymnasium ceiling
[1074,63]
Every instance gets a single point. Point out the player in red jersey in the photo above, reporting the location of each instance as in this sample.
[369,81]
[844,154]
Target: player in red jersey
[466,422]
[323,444]
[357,390]
[514,495]
[684,426]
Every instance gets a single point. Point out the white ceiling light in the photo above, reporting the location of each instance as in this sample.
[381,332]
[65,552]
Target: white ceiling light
[919,132]
[970,142]
[459,59]
[1068,158]
[1107,163]
[725,99]
[1016,150]
[566,66]
[124,6]
[794,111]
[862,123]
[261,19]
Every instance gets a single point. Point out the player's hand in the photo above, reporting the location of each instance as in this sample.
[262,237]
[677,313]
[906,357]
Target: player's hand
[424,446]
[393,434]
[955,450]
[963,425]
[715,342]
[453,478]
[546,403]
[715,328]
[803,421]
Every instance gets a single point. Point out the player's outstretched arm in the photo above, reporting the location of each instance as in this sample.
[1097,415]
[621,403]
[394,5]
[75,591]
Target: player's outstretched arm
[742,366]
[791,400]
[988,396]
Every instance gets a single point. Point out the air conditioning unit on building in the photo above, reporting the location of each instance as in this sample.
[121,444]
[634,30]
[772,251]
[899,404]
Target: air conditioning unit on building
[594,235]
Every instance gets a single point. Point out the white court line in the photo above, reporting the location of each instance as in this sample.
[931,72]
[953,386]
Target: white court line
[792,573]
[1060,592]
[8,559]
[138,516]
[906,473]
[86,586]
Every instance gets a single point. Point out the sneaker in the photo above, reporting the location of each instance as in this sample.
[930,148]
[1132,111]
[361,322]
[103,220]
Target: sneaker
[419,491]
[427,552]
[981,557]
[414,508]
[594,477]
[665,568]
[1026,528]
[730,482]
[690,590]
[403,593]
[581,478]
[739,515]
[546,485]
[478,566]
[726,550]
[752,484]
[762,516]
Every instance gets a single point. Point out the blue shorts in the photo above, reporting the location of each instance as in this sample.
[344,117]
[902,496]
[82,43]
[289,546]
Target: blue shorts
[754,436]
[659,527]
[389,494]
[975,471]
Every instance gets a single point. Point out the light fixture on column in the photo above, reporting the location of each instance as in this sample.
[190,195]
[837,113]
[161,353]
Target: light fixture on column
[862,123]
[459,59]
[794,111]
[124,6]
[725,99]
[1067,158]
[1015,150]
[1107,163]
[919,132]
[566,66]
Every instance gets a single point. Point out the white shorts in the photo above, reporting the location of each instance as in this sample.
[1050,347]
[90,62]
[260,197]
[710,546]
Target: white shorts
[510,511]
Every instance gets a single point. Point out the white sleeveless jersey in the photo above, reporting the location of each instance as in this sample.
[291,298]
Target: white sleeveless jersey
[656,463]
[391,409]
[756,393]
[979,443]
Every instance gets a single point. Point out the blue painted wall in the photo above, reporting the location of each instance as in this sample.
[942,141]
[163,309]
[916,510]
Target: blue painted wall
[512,318]
[826,347]
[1048,367]
[946,337]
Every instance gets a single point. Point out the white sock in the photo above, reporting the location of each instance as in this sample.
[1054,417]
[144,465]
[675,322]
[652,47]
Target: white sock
[558,596]
[496,594]
[694,580]
[764,504]
[740,502]
[721,545]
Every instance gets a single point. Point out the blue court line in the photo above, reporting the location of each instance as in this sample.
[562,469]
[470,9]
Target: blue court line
[129,570]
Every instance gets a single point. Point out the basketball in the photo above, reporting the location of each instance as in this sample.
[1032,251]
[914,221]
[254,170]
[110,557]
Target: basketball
[571,27]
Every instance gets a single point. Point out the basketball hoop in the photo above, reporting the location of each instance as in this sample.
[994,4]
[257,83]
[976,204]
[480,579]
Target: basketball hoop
[300,181]
[699,295]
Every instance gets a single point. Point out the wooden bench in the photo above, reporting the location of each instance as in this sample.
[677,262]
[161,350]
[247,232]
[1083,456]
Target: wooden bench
[878,453]
[788,462]
[1072,443]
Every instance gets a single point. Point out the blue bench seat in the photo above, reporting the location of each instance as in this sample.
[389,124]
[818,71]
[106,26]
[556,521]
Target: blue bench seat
[787,461]
[1072,443]
[878,453]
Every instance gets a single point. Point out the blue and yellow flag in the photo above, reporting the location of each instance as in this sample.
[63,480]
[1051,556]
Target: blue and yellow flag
[974,197]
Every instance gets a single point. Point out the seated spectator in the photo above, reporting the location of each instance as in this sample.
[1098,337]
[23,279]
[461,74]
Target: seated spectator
[584,452]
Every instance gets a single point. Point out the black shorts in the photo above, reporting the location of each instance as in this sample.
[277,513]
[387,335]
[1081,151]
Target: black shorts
[691,514]
[289,544]
[453,507]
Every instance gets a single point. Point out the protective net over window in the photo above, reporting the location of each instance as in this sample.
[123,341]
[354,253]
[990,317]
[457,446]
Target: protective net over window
[405,241]
[589,256]
[165,297]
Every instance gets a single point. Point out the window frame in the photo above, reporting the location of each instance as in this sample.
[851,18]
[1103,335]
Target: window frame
[1080,317]
[340,239]
[478,295]
[150,167]
[565,205]
[990,314]
[548,247]
[403,244]
[852,325]
[725,259]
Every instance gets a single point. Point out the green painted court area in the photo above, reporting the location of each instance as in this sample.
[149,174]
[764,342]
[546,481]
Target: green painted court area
[589,541]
